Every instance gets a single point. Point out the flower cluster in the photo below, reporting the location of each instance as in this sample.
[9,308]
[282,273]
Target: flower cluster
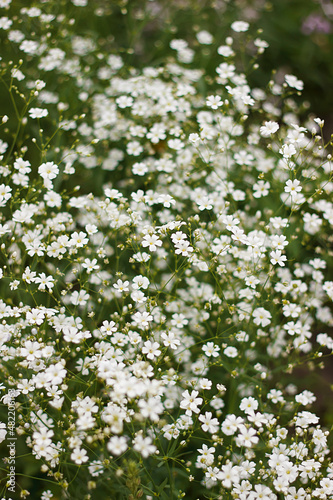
[160,309]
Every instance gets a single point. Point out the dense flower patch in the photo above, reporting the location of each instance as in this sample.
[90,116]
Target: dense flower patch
[164,271]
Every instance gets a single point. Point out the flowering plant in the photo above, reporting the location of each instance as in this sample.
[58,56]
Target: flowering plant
[165,244]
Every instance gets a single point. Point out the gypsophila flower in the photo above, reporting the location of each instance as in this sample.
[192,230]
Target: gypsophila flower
[261,188]
[209,424]
[248,405]
[269,128]
[143,446]
[240,26]
[225,51]
[90,265]
[78,240]
[29,47]
[117,445]
[287,150]
[230,352]
[151,349]
[204,37]
[79,456]
[278,258]
[79,298]
[14,284]
[48,170]
[38,113]
[261,316]
[305,398]
[194,138]
[142,320]
[170,340]
[190,402]
[121,286]
[211,350]
[292,81]
[151,241]
[328,288]
[214,101]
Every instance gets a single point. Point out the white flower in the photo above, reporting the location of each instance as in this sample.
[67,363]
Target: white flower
[247,437]
[231,424]
[44,281]
[175,144]
[38,113]
[90,265]
[194,138]
[78,240]
[178,44]
[306,418]
[278,258]
[248,405]
[143,445]
[79,456]
[240,26]
[117,445]
[269,128]
[209,424]
[151,241]
[204,37]
[211,349]
[140,168]
[124,101]
[134,148]
[261,317]
[170,340]
[305,398]
[225,51]
[287,150]
[328,288]
[293,187]
[151,349]
[79,298]
[190,402]
[214,101]
[121,286]
[142,320]
[261,188]
[48,170]
[230,352]
[292,81]
[29,47]
[140,282]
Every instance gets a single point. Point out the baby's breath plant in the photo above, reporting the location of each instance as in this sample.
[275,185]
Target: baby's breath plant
[165,264]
